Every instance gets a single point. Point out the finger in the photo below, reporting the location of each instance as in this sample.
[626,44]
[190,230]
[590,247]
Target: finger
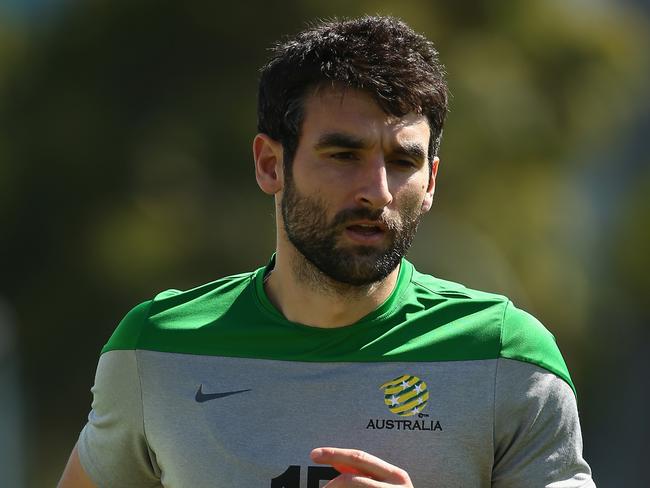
[342,468]
[361,461]
[355,481]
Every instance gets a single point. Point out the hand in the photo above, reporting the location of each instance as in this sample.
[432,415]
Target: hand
[360,469]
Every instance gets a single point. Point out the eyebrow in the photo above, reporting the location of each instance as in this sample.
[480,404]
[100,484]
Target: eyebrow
[341,139]
[412,150]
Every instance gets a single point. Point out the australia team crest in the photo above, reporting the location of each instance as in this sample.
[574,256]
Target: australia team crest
[405,395]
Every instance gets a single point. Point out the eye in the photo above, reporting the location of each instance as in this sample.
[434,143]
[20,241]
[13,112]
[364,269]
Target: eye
[344,156]
[404,163]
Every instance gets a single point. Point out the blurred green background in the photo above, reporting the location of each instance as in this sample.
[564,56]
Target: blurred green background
[126,168]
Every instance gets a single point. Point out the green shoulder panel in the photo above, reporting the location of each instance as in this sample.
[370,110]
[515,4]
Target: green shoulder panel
[524,338]
[426,320]
[128,331]
[151,324]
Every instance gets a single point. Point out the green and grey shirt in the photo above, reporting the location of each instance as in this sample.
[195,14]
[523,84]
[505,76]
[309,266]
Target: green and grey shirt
[213,387]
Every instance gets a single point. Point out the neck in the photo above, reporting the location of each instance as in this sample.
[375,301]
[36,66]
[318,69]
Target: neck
[305,295]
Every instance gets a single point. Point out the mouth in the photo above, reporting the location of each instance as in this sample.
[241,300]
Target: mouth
[366,233]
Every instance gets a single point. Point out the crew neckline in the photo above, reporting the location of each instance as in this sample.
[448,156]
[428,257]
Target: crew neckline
[386,308]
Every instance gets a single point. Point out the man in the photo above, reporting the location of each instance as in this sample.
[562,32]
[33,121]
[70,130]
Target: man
[338,360]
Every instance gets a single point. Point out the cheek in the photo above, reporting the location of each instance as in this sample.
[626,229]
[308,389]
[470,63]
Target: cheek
[412,193]
[410,202]
[324,182]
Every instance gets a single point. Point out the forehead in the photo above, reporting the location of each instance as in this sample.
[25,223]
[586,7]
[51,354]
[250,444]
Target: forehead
[354,111]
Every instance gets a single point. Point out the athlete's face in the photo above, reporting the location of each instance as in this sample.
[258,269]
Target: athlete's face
[357,186]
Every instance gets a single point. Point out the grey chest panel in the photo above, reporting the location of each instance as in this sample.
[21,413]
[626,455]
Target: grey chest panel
[253,420]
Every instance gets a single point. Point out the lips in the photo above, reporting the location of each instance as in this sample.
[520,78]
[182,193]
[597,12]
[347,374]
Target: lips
[366,233]
[368,223]
[365,229]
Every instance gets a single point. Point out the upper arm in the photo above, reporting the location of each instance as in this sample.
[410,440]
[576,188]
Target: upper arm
[74,475]
[537,431]
[112,447]
[537,438]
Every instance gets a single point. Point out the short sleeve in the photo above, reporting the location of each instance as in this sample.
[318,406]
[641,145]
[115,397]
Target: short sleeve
[537,431]
[112,446]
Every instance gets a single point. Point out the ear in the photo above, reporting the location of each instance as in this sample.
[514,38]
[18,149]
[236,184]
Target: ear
[268,153]
[428,197]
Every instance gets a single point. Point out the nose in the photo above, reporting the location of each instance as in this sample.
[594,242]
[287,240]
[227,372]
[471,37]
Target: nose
[373,190]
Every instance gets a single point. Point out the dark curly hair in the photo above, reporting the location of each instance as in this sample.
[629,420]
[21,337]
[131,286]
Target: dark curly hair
[380,55]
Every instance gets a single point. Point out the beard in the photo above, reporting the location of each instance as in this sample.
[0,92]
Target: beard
[307,227]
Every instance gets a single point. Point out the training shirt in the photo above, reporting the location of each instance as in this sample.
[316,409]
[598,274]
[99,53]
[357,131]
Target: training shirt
[213,387]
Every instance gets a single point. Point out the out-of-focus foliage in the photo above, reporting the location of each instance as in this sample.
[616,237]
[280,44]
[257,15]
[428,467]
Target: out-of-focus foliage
[125,168]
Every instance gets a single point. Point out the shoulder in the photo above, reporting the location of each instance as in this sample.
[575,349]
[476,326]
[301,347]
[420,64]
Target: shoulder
[490,322]
[450,289]
[524,338]
[206,302]
[473,314]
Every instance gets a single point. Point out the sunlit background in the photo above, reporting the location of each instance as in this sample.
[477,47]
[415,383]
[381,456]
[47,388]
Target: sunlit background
[126,169]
